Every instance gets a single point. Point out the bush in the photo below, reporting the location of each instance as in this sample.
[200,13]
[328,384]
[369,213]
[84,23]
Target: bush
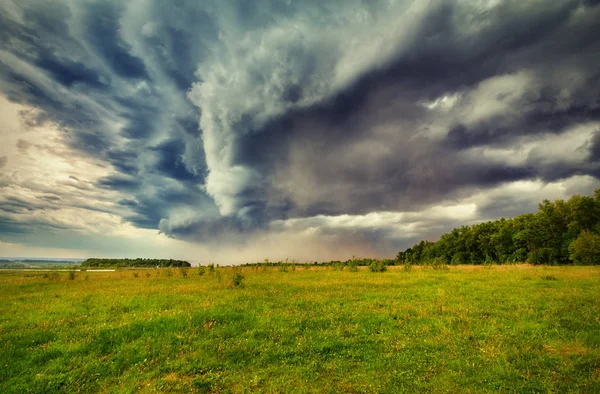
[237,280]
[353,265]
[184,271]
[201,270]
[488,261]
[136,275]
[407,267]
[377,266]
[211,267]
[72,274]
[169,272]
[438,263]
[585,250]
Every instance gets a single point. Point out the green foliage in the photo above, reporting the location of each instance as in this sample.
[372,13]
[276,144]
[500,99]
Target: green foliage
[169,272]
[135,274]
[72,274]
[377,266]
[237,279]
[184,271]
[585,250]
[438,263]
[545,237]
[201,270]
[353,265]
[211,267]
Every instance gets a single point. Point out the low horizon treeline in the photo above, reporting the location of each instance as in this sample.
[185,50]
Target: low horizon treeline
[133,263]
[559,233]
[336,264]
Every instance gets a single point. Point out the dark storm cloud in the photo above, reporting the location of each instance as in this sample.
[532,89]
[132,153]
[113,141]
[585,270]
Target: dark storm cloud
[102,24]
[220,118]
[325,157]
[170,162]
[74,65]
[120,183]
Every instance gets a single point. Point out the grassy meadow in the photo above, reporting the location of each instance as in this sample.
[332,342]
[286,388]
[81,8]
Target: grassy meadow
[472,329]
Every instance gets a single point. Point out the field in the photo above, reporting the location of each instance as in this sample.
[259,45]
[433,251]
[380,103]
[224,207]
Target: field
[467,329]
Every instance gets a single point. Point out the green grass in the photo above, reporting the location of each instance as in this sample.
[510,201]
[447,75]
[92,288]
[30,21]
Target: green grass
[467,329]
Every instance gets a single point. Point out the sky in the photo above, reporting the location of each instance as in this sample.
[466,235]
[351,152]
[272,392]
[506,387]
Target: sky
[230,131]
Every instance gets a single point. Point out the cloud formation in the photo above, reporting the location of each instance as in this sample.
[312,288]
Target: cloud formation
[229,122]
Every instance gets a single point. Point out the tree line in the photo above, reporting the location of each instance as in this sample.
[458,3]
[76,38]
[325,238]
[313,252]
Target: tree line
[559,233]
[133,263]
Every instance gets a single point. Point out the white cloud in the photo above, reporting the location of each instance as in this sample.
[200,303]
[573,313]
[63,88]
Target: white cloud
[570,147]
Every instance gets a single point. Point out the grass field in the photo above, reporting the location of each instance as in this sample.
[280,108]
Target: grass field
[467,329]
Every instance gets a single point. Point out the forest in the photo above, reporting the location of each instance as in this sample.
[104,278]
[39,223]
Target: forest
[559,233]
[133,263]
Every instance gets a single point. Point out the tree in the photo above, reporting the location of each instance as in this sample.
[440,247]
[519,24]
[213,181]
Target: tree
[544,237]
[585,250]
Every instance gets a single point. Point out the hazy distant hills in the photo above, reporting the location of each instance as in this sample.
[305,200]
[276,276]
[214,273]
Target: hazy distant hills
[36,263]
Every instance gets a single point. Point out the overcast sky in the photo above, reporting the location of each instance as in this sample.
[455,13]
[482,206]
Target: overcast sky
[235,130]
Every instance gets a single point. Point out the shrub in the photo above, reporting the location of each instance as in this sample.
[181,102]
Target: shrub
[353,265]
[72,274]
[169,272]
[237,280]
[488,261]
[184,271]
[407,267]
[585,250]
[211,267]
[438,263]
[201,270]
[136,275]
[377,266]
[549,277]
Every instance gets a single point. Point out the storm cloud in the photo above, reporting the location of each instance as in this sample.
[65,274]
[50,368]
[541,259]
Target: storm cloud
[228,122]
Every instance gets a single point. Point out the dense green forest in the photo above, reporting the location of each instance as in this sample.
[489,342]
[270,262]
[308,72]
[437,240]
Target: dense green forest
[123,263]
[561,232]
